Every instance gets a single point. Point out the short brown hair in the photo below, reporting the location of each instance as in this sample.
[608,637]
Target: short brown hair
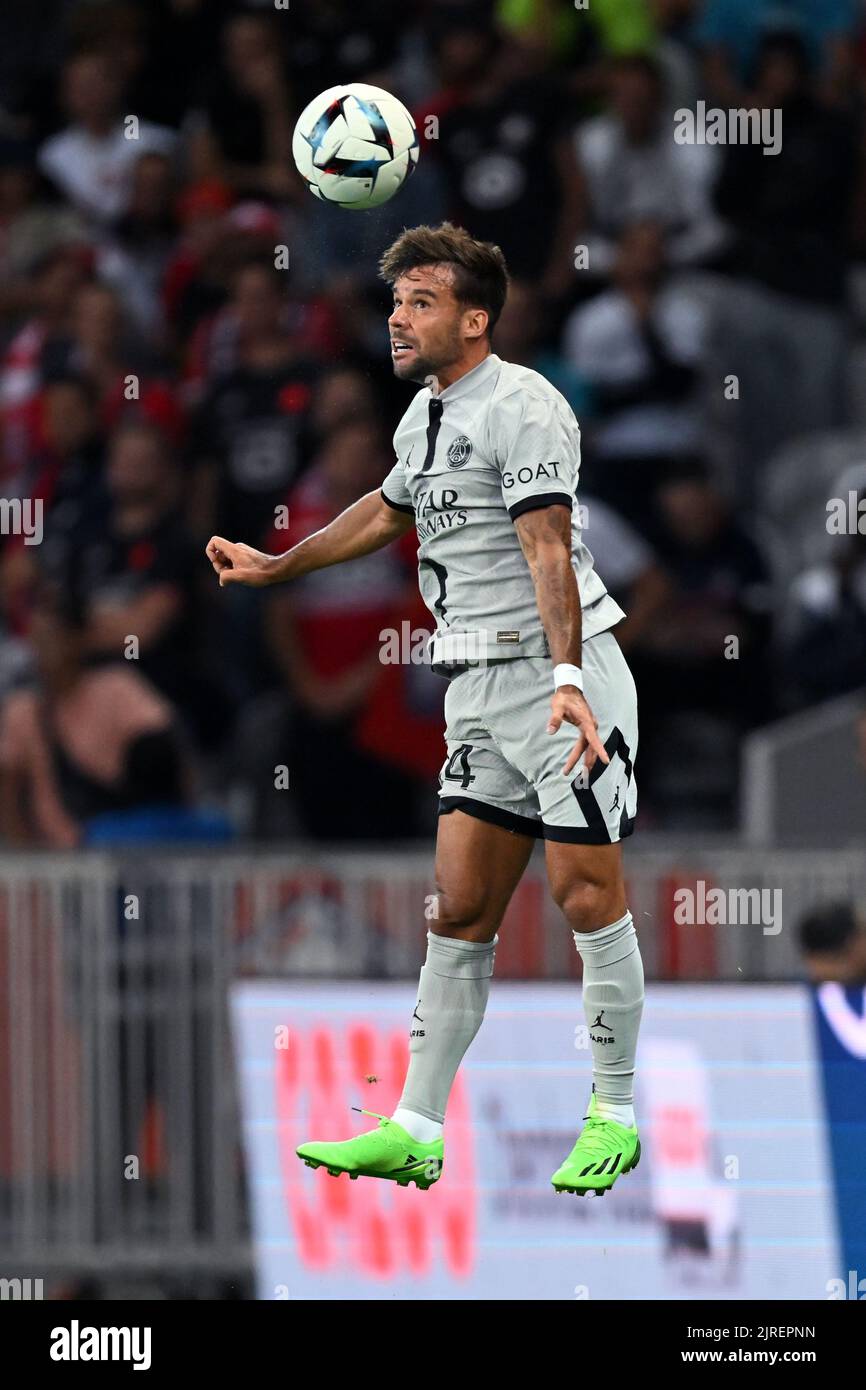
[480,272]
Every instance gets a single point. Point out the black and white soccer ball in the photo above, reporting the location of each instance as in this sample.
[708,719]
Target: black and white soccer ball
[355,145]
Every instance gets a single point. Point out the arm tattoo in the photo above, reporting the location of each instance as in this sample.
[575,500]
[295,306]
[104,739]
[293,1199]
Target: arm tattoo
[545,536]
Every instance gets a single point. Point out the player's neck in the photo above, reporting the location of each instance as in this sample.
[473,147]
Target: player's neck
[454,371]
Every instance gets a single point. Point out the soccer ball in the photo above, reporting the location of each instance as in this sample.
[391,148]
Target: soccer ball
[355,146]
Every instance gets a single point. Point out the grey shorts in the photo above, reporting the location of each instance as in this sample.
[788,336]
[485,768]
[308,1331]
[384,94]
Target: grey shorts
[503,767]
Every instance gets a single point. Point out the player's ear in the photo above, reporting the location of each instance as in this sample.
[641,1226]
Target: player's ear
[475,322]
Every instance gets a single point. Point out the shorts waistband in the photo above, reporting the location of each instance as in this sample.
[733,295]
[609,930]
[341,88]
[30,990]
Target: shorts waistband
[483,647]
[449,669]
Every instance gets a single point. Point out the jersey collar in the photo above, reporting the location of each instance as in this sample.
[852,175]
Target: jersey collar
[464,384]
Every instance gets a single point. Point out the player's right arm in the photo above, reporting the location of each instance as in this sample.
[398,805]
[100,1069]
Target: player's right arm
[368,525]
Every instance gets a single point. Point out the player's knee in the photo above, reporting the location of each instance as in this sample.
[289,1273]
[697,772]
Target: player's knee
[583,903]
[460,914]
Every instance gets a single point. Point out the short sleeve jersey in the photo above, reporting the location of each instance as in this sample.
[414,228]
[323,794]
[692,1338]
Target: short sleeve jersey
[499,442]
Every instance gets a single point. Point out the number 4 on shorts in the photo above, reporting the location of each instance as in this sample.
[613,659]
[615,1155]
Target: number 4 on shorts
[458,766]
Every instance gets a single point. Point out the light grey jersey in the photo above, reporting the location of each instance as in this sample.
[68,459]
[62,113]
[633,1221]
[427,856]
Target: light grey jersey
[499,442]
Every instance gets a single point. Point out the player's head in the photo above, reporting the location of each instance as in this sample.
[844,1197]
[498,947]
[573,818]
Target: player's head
[449,290]
[833,943]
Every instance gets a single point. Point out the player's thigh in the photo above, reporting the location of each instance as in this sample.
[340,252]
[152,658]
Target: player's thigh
[588,810]
[478,867]
[587,883]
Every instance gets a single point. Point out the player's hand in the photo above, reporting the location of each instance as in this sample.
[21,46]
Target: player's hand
[568,706]
[236,563]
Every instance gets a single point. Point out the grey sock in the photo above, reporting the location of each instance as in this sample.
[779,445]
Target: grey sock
[613,996]
[452,997]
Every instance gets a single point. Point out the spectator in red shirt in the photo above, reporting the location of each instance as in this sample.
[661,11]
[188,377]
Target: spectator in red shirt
[99,344]
[82,741]
[101,347]
[135,253]
[242,131]
[325,640]
[54,283]
[135,565]
[250,438]
[64,478]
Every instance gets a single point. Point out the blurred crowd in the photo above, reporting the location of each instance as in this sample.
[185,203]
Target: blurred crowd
[703,308]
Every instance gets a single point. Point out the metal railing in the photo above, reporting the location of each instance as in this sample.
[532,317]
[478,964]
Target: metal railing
[803,782]
[119,1134]
[118,1131]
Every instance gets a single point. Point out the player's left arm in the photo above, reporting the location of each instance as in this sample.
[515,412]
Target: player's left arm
[545,537]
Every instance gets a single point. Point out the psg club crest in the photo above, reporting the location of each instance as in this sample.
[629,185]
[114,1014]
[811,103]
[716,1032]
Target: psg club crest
[459,451]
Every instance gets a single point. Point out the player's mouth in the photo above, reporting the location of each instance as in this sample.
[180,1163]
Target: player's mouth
[399,347]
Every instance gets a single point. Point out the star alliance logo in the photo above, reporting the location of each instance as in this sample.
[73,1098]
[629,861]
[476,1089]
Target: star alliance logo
[459,451]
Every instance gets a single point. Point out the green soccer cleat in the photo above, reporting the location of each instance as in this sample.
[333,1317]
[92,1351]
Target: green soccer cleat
[386,1152]
[603,1151]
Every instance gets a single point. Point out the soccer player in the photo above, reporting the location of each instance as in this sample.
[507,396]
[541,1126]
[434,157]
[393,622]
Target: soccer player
[487,458]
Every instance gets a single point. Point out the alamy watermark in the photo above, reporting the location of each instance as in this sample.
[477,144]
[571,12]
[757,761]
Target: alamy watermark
[77,1343]
[736,126]
[854,1289]
[729,907]
[417,646]
[21,1290]
[846,516]
[22,516]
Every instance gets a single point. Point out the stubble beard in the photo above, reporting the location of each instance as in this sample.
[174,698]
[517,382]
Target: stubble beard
[420,372]
[425,368]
